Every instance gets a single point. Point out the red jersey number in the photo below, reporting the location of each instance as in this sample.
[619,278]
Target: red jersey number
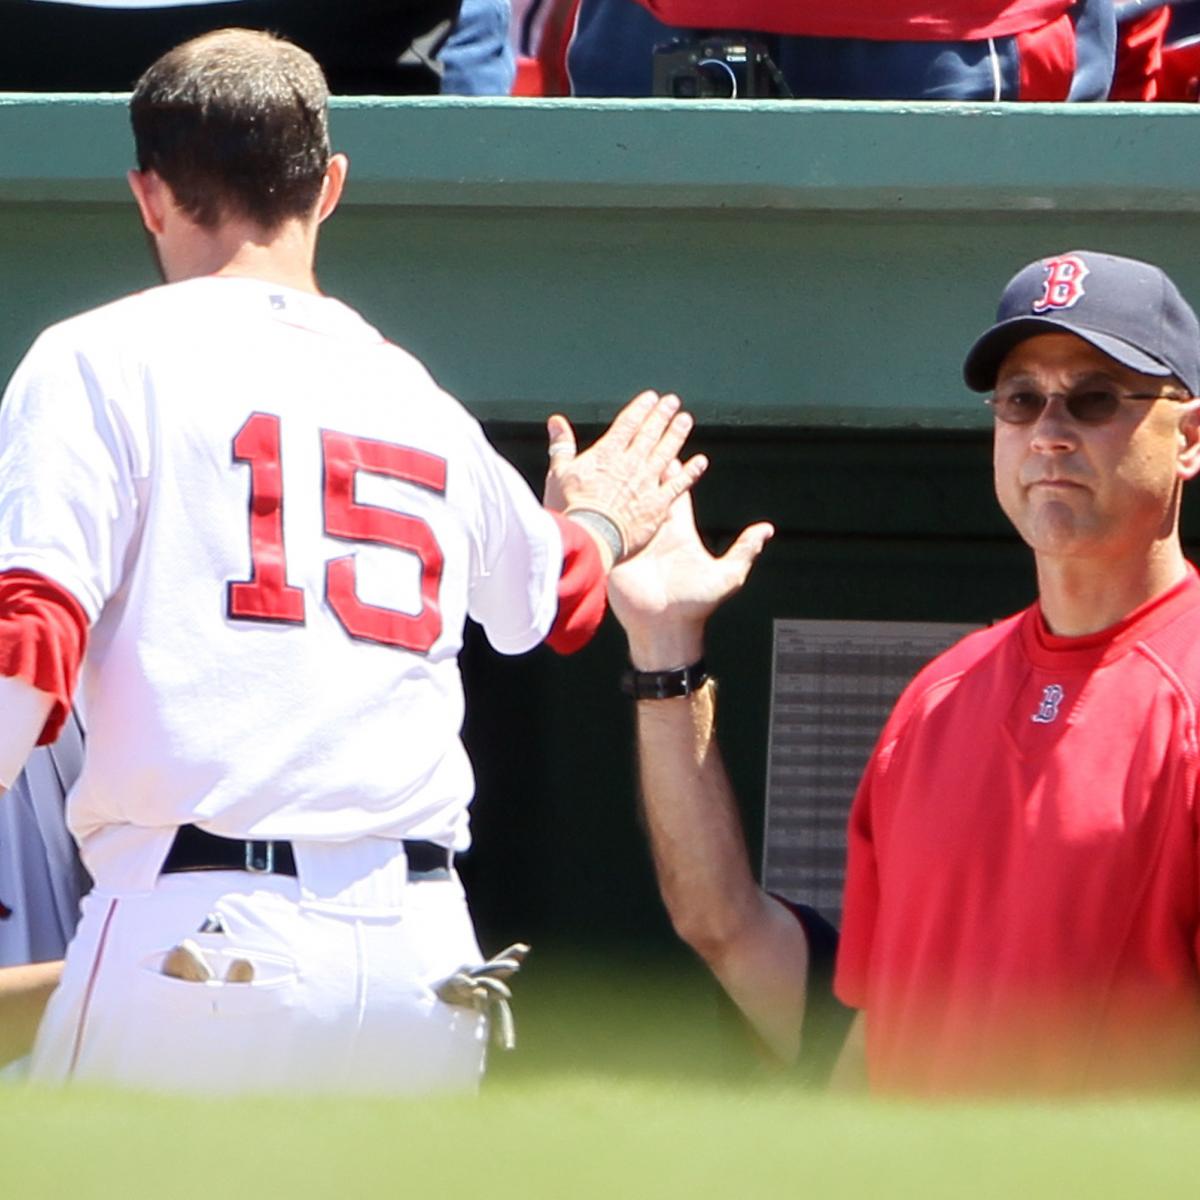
[344,456]
[266,596]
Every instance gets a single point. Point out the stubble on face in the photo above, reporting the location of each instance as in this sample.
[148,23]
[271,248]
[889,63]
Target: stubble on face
[1087,491]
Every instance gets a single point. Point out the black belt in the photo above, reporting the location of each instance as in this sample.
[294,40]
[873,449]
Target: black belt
[194,849]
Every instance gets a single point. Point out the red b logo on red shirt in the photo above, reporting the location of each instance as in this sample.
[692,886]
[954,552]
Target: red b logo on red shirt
[1063,285]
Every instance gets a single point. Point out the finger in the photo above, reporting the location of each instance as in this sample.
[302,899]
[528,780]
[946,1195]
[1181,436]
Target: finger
[686,477]
[648,438]
[680,507]
[629,420]
[496,987]
[671,441]
[561,438]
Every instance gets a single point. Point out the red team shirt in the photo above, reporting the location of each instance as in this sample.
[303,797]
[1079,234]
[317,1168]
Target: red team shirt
[897,20]
[1021,897]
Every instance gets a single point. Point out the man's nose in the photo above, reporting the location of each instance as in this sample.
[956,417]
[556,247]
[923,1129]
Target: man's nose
[1055,429]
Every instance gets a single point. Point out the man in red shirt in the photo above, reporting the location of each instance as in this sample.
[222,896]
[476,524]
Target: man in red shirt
[866,50]
[1022,904]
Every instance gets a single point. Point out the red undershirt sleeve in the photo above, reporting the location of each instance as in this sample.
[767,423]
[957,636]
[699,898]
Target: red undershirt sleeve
[581,590]
[43,636]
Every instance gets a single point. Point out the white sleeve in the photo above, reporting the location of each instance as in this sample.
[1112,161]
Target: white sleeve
[514,589]
[68,505]
[23,713]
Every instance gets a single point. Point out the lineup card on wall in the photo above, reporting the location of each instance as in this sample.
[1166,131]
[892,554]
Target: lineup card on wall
[833,685]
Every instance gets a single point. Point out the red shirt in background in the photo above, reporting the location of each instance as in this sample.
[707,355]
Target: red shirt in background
[876,20]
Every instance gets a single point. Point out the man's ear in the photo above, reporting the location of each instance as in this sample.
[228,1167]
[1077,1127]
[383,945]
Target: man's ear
[332,185]
[1189,439]
[151,195]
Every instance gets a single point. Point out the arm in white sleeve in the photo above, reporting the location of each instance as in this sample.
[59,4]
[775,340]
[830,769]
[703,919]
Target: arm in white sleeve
[23,713]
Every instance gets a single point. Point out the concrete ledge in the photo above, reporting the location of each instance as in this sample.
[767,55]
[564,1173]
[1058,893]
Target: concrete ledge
[917,157]
[778,263]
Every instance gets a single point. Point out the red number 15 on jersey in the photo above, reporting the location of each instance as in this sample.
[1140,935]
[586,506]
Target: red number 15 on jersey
[267,595]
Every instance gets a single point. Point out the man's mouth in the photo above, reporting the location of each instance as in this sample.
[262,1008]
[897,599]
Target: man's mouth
[1056,484]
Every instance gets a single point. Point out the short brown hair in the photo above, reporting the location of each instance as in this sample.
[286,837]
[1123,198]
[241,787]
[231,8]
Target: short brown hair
[235,122]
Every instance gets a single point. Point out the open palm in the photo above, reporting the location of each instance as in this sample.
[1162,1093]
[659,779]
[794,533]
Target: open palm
[675,579]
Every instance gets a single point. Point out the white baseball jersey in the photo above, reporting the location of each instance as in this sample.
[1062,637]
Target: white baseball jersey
[278,524]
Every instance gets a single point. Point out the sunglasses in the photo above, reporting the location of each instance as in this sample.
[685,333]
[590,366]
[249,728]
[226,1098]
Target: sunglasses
[1088,405]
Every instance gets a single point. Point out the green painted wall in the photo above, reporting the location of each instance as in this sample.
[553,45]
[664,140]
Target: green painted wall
[773,262]
[807,276]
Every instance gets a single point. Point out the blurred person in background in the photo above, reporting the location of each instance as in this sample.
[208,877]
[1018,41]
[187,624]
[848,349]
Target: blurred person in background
[42,882]
[863,49]
[478,58]
[1158,50]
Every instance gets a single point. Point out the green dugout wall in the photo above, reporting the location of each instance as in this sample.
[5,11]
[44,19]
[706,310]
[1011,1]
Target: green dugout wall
[807,276]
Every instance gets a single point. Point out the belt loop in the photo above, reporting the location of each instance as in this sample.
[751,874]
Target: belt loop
[260,857]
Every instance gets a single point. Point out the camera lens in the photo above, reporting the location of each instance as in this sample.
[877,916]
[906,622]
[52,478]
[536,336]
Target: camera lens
[720,82]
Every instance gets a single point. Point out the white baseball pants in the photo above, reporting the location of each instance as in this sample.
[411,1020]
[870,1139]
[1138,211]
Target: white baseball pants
[341,998]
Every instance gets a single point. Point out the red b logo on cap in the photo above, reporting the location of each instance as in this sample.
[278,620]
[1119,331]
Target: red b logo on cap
[1063,285]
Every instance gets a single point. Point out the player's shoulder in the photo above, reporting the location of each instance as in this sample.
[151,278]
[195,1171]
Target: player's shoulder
[973,651]
[429,413]
[190,305]
[87,345]
[1174,643]
[108,326]
[402,364]
[981,650]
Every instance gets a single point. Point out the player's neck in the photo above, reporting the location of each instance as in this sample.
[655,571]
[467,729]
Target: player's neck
[1080,596]
[284,256]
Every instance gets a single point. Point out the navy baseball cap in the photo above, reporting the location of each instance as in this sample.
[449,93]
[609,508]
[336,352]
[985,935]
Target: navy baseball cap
[1129,310]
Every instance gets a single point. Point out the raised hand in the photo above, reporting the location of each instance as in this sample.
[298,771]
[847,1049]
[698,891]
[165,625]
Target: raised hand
[631,473]
[664,595]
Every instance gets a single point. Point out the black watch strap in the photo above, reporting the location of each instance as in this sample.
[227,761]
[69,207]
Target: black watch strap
[664,685]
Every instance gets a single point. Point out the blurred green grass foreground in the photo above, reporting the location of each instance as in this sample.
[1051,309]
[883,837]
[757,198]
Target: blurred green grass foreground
[627,1081]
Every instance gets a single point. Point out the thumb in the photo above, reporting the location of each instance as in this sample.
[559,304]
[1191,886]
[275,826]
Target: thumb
[747,546]
[561,439]
[561,451]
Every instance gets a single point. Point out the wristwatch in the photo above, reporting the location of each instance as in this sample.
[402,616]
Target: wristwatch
[664,685]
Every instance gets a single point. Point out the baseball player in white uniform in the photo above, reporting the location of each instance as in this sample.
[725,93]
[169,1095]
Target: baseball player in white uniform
[254,529]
